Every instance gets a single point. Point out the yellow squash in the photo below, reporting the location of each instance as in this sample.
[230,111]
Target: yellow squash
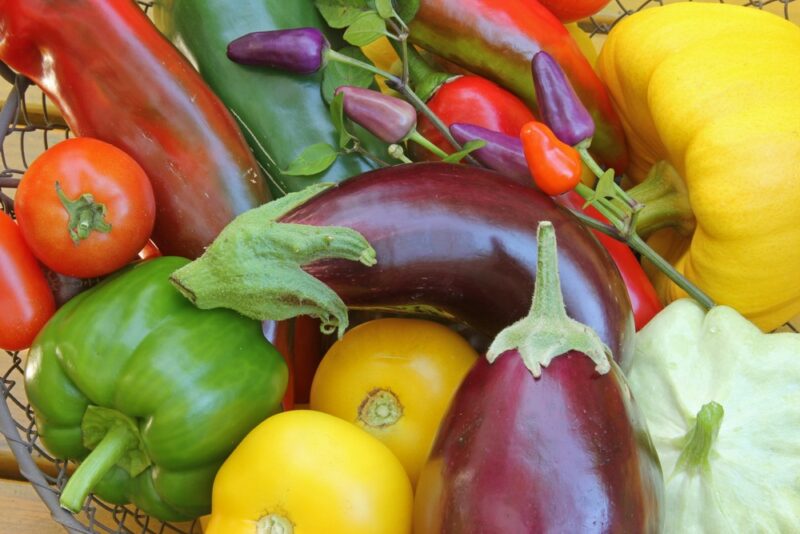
[714,90]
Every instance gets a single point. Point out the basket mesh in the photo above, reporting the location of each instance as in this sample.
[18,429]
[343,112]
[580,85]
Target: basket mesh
[30,129]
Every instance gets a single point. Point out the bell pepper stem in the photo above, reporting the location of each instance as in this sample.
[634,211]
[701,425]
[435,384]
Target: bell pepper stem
[426,143]
[665,200]
[547,331]
[117,441]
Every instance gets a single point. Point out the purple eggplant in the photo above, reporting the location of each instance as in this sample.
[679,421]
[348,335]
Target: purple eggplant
[388,118]
[559,106]
[460,242]
[545,439]
[502,152]
[300,50]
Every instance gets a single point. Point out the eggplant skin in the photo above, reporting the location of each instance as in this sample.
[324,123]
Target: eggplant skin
[565,453]
[460,242]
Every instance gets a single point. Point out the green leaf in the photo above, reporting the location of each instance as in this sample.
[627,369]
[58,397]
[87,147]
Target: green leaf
[337,74]
[469,146]
[385,8]
[312,160]
[341,13]
[337,117]
[407,9]
[366,28]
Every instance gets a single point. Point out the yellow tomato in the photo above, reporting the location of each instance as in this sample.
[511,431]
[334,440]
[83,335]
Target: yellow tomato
[305,472]
[394,378]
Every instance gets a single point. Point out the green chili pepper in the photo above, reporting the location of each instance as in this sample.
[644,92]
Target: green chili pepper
[147,392]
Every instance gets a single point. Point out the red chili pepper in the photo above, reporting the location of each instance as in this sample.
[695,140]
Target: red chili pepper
[116,78]
[498,38]
[554,165]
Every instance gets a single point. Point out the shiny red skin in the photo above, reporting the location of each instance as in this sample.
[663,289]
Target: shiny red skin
[116,78]
[462,241]
[472,100]
[26,300]
[567,452]
[497,39]
[572,10]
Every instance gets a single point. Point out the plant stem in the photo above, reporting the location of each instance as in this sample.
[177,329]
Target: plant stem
[425,142]
[397,83]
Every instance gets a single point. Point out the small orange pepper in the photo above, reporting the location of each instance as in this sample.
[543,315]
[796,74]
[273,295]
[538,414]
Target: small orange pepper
[554,165]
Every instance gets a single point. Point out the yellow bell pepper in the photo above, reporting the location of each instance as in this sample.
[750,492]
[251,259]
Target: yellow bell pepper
[714,91]
[306,472]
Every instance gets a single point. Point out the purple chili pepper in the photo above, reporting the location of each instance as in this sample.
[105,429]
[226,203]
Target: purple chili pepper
[299,50]
[502,153]
[388,118]
[559,106]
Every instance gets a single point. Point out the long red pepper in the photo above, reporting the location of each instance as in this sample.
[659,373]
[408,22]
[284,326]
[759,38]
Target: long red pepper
[114,77]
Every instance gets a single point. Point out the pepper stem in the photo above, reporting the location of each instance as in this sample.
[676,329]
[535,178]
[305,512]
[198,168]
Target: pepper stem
[85,215]
[700,439]
[426,143]
[115,444]
[665,199]
[425,79]
[547,331]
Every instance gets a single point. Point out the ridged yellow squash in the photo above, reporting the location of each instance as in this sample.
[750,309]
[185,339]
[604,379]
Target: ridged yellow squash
[714,90]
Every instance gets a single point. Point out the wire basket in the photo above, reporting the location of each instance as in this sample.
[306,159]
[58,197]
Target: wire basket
[29,129]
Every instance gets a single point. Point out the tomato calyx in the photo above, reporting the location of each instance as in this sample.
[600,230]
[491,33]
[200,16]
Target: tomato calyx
[380,408]
[274,524]
[85,215]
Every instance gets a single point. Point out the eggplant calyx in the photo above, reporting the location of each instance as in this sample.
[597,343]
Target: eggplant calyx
[547,332]
[274,524]
[700,439]
[115,440]
[255,265]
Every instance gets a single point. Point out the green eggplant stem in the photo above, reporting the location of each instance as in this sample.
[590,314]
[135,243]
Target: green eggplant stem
[425,143]
[115,444]
[700,439]
[547,331]
[666,202]
[85,215]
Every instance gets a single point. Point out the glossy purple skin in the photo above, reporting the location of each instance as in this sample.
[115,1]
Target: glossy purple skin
[568,452]
[559,106]
[462,241]
[503,153]
[299,50]
[388,118]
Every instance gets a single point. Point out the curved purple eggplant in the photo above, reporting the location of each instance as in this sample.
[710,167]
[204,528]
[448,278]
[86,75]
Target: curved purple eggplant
[460,242]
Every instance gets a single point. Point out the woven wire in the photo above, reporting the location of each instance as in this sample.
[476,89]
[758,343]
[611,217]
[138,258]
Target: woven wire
[48,474]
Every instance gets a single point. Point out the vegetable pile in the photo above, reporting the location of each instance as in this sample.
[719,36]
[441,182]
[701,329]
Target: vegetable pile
[482,230]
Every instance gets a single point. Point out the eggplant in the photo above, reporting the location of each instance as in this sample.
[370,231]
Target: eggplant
[451,241]
[524,449]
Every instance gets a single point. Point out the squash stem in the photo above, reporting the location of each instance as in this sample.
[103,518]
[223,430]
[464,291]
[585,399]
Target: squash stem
[665,200]
[118,440]
[700,439]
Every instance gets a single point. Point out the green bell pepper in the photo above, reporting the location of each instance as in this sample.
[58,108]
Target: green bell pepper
[148,392]
[280,113]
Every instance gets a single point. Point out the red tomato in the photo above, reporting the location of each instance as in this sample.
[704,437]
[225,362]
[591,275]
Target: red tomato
[85,208]
[25,298]
[572,10]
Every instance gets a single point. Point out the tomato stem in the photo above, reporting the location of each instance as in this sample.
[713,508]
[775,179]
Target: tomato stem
[85,215]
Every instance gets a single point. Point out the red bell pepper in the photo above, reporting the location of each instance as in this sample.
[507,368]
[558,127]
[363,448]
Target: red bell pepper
[116,78]
[498,38]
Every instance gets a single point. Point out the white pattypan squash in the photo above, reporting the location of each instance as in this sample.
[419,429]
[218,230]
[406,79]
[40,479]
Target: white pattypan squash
[722,403]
